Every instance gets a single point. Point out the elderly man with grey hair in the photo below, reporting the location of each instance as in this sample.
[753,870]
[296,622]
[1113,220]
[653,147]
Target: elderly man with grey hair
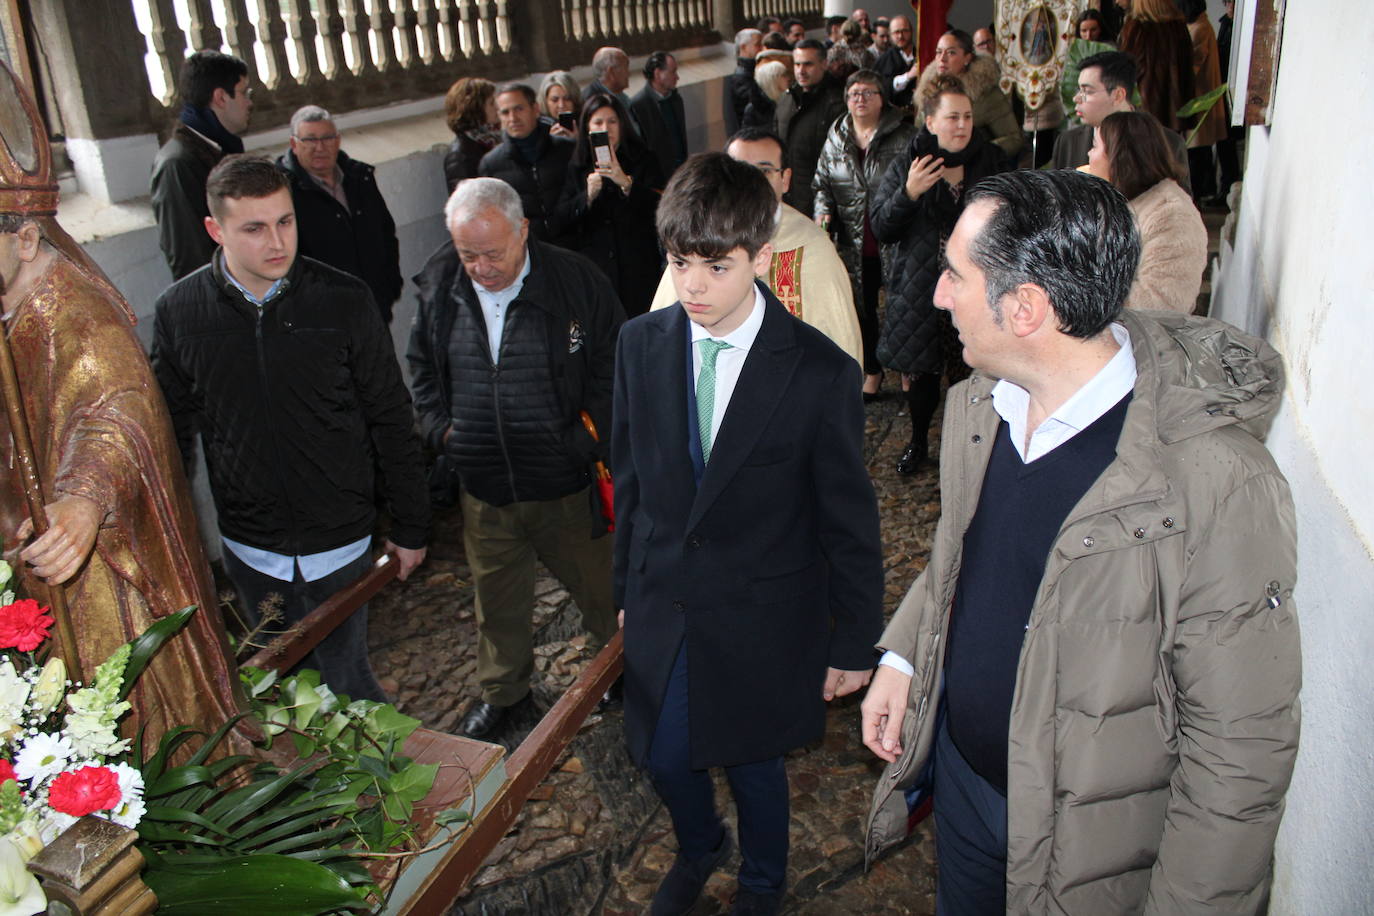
[341,217]
[610,75]
[514,340]
[740,87]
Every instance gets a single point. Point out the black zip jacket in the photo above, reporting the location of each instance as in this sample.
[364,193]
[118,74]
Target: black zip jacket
[359,239]
[299,406]
[539,183]
[516,433]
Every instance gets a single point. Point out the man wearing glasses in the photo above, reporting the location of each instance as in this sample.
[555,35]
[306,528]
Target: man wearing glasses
[341,216]
[898,63]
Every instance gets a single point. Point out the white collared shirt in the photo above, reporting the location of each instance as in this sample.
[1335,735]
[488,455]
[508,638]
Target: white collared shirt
[1012,402]
[729,362]
[496,304]
[901,80]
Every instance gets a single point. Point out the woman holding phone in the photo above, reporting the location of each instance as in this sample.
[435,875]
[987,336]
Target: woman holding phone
[560,103]
[608,203]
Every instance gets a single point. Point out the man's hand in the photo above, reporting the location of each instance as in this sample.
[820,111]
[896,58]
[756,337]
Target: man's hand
[823,221]
[620,619]
[62,550]
[883,710]
[407,558]
[922,175]
[840,683]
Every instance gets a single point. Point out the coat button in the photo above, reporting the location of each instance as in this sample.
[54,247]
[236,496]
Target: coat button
[679,606]
[1088,542]
[1169,522]
[1140,532]
[977,438]
[694,541]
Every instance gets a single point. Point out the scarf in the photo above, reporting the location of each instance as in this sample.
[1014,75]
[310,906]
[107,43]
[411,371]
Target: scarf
[926,144]
[203,121]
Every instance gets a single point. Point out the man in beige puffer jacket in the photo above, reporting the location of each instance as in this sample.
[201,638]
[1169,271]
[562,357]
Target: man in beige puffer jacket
[1133,656]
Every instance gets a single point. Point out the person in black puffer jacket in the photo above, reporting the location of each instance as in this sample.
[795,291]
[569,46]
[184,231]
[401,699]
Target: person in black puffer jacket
[609,209]
[284,368]
[528,158]
[916,207]
[512,340]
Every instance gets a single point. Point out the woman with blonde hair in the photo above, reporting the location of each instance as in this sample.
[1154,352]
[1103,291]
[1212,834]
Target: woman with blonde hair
[560,95]
[470,112]
[773,78]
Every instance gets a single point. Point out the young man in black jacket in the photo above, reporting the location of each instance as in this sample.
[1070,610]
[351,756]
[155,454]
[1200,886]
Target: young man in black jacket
[283,367]
[528,158]
[513,339]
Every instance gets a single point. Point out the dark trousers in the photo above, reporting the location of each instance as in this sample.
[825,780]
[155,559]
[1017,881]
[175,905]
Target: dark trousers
[970,837]
[868,313]
[759,789]
[341,657]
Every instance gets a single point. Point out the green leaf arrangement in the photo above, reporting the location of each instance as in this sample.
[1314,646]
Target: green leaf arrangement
[237,835]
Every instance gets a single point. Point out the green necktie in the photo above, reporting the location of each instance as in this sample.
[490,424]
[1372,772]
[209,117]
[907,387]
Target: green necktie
[706,392]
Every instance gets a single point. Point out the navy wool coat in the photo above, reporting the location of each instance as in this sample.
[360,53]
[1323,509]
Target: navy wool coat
[768,568]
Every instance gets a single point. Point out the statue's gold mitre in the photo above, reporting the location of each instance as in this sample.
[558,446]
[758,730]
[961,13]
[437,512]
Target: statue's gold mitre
[26,181]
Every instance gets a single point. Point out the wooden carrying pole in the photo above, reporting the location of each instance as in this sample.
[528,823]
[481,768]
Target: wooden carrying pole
[33,495]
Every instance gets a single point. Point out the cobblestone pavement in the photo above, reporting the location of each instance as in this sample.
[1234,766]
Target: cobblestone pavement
[594,839]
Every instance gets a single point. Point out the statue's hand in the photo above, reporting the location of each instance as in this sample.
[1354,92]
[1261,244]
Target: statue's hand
[62,550]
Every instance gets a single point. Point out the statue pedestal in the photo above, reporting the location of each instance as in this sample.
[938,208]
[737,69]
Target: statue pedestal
[93,868]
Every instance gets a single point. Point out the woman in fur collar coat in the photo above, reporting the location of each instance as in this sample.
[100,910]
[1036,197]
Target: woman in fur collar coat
[992,114]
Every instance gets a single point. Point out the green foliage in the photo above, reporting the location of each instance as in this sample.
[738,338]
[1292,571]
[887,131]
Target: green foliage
[142,649]
[350,795]
[1200,106]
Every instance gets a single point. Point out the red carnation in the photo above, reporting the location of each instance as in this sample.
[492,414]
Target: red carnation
[7,771]
[84,791]
[23,625]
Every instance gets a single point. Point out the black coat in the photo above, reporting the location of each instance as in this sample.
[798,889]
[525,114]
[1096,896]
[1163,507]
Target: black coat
[463,158]
[803,121]
[565,302]
[180,171]
[655,130]
[770,568]
[299,404]
[360,239]
[910,340]
[891,64]
[739,89]
[617,231]
[540,183]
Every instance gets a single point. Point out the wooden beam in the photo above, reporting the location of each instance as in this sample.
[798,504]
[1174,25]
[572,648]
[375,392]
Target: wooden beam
[295,644]
[525,770]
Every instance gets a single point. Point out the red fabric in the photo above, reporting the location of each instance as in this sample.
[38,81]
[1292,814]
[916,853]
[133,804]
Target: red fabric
[932,21]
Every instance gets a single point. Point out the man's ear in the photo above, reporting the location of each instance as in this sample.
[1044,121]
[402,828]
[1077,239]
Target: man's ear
[763,261]
[1027,309]
[215,230]
[30,239]
[786,180]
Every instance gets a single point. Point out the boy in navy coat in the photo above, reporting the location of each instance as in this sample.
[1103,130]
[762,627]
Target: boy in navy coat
[747,556]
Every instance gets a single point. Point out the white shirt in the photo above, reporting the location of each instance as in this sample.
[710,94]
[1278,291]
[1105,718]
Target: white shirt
[901,80]
[730,361]
[496,304]
[1012,402]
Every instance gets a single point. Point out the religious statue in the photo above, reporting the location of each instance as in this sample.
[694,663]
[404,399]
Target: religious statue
[120,544]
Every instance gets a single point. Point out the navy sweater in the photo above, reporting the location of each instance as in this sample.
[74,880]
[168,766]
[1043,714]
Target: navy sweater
[1020,510]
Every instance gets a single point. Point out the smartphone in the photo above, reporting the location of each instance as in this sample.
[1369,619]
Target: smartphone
[601,146]
[567,120]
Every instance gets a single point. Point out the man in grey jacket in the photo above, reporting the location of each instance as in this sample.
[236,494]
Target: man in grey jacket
[1098,669]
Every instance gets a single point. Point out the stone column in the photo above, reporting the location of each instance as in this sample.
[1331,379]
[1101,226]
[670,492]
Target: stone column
[94,62]
[727,18]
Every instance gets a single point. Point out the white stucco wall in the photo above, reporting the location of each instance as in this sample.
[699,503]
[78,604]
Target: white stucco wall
[1301,275]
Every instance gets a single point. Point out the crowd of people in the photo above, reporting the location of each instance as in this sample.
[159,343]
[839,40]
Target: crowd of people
[711,326]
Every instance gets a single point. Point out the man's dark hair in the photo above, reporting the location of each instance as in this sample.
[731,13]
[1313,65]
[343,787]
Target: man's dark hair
[204,72]
[766,21]
[788,23]
[754,135]
[240,175]
[964,38]
[832,21]
[1192,9]
[522,88]
[1071,234]
[1118,69]
[656,61]
[714,204]
[776,41]
[810,44]
[1138,153]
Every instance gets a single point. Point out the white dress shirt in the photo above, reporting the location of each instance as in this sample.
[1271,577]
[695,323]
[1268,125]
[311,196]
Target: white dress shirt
[730,361]
[901,80]
[1012,403]
[496,304]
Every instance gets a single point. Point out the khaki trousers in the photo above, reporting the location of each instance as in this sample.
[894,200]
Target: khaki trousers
[502,544]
